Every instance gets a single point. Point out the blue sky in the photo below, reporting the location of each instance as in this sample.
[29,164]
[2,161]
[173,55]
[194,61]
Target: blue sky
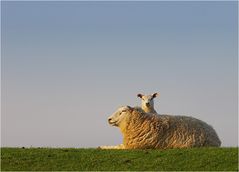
[66,66]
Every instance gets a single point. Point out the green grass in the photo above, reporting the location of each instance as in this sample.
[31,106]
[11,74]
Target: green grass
[50,159]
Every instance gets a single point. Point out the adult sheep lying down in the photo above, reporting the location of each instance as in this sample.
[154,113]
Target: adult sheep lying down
[151,131]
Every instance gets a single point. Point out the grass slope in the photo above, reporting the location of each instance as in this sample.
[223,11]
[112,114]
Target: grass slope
[50,159]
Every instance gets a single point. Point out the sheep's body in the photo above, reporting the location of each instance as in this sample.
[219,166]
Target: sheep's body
[164,131]
[143,130]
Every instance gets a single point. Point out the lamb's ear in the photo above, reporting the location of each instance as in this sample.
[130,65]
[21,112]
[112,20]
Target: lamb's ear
[140,95]
[155,95]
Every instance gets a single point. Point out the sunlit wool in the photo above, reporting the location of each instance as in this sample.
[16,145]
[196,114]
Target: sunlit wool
[146,130]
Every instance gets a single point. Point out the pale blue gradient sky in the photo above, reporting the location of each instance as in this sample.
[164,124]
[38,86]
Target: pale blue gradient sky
[66,66]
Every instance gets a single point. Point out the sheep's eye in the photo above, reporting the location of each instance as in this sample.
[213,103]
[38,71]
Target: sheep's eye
[122,111]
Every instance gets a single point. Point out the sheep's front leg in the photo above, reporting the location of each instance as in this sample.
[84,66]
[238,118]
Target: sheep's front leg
[121,146]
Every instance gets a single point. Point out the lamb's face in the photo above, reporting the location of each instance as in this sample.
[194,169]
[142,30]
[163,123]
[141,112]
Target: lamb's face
[148,100]
[117,117]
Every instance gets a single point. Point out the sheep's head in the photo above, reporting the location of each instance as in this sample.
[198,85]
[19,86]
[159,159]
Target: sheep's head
[120,115]
[148,100]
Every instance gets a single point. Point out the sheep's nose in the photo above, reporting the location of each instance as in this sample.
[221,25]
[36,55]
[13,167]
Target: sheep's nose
[147,104]
[109,120]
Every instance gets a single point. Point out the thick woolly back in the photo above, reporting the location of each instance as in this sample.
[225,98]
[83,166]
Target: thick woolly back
[143,130]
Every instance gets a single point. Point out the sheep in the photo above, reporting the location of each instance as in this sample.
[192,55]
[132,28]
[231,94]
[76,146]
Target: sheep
[151,131]
[147,103]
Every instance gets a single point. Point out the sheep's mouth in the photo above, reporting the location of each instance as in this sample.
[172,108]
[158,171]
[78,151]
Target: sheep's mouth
[113,123]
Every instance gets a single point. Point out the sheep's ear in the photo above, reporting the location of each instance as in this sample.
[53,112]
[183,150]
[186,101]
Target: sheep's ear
[140,95]
[129,107]
[155,95]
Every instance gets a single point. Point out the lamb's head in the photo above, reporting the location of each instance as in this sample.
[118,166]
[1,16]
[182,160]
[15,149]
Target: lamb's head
[148,100]
[120,115]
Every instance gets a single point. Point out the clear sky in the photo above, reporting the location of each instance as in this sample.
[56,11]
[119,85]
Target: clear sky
[67,66]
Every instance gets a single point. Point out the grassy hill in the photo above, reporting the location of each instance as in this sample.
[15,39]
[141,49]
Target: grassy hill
[52,159]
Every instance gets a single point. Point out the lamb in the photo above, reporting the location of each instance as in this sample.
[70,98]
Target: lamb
[151,131]
[147,103]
